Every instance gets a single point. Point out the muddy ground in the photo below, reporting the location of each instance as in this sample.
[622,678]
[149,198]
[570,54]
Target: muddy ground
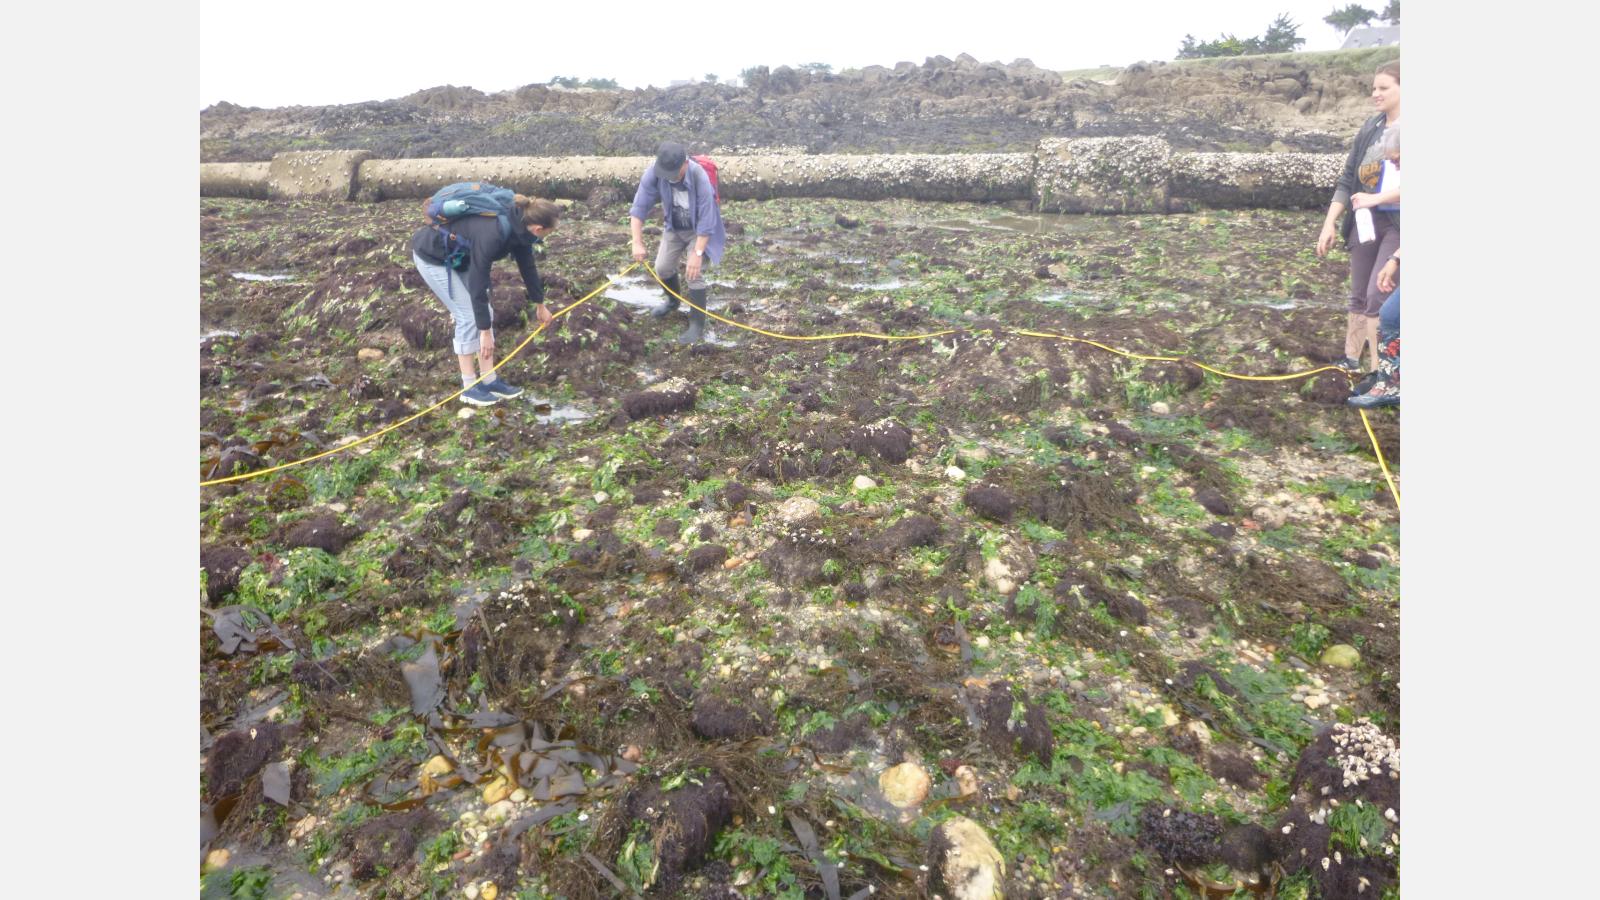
[661,624]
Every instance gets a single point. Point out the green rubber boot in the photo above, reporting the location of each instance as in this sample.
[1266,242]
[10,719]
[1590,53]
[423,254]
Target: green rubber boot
[696,332]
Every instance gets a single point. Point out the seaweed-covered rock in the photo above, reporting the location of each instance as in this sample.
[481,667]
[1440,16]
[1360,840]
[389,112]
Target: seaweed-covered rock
[683,822]
[1184,838]
[1030,737]
[912,531]
[388,843]
[887,440]
[223,566]
[704,558]
[660,401]
[321,531]
[717,719]
[238,755]
[991,502]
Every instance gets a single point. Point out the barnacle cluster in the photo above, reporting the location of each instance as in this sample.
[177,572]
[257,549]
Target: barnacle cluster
[1364,752]
[803,536]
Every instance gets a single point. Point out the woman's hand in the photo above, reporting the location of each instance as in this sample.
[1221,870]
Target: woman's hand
[1386,275]
[638,251]
[543,313]
[486,342]
[1325,239]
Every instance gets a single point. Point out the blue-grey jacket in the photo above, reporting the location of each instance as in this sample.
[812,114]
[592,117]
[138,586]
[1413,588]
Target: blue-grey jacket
[702,200]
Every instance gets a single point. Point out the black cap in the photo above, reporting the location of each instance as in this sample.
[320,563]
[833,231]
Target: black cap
[669,160]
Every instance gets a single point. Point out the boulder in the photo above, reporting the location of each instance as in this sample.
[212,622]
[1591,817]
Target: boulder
[963,863]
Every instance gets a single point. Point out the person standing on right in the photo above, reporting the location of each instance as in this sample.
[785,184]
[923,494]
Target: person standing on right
[1360,175]
[692,233]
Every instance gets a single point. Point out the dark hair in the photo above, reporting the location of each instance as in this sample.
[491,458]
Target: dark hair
[537,211]
[1391,69]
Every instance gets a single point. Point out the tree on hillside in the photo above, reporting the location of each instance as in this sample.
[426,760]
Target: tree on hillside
[711,78]
[1281,37]
[816,68]
[1391,13]
[1350,17]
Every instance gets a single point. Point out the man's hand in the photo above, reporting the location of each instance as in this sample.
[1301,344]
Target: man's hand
[543,314]
[1363,200]
[486,342]
[1386,275]
[691,268]
[638,251]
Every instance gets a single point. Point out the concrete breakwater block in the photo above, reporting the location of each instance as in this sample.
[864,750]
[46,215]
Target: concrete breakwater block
[320,174]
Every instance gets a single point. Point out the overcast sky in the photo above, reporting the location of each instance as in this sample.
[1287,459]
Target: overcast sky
[316,52]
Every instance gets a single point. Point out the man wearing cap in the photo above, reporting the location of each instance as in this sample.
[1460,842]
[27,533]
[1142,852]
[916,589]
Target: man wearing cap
[692,231]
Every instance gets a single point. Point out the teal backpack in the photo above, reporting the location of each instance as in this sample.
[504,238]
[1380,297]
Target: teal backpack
[468,198]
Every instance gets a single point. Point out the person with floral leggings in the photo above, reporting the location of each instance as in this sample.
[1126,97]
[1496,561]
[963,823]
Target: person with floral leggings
[1382,387]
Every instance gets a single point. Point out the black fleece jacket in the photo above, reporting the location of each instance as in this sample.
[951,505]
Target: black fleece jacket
[487,246]
[1350,177]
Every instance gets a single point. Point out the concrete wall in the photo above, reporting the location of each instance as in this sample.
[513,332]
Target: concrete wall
[1235,180]
[235,180]
[1080,175]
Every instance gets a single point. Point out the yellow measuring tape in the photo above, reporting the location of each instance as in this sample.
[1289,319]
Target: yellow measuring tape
[1049,335]
[1383,464]
[801,337]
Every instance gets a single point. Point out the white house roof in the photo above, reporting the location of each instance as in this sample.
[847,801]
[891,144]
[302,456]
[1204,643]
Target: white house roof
[1382,36]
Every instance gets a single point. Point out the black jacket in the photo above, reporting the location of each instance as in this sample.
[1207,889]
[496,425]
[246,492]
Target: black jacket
[1349,180]
[487,246]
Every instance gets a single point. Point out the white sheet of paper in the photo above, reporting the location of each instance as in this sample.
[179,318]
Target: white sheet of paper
[1365,231]
[1389,180]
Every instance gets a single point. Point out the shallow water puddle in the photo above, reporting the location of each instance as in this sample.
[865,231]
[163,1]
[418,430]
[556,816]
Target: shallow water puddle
[893,284]
[252,276]
[1272,302]
[642,293]
[216,333]
[547,413]
[1069,298]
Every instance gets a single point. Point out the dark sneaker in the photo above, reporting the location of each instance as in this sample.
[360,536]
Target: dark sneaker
[1367,383]
[1381,395]
[478,395]
[502,390]
[1349,365]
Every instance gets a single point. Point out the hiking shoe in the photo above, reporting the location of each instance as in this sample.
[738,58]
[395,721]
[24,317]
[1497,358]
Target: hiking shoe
[502,390]
[1367,383]
[479,395]
[1382,394]
[1349,365]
